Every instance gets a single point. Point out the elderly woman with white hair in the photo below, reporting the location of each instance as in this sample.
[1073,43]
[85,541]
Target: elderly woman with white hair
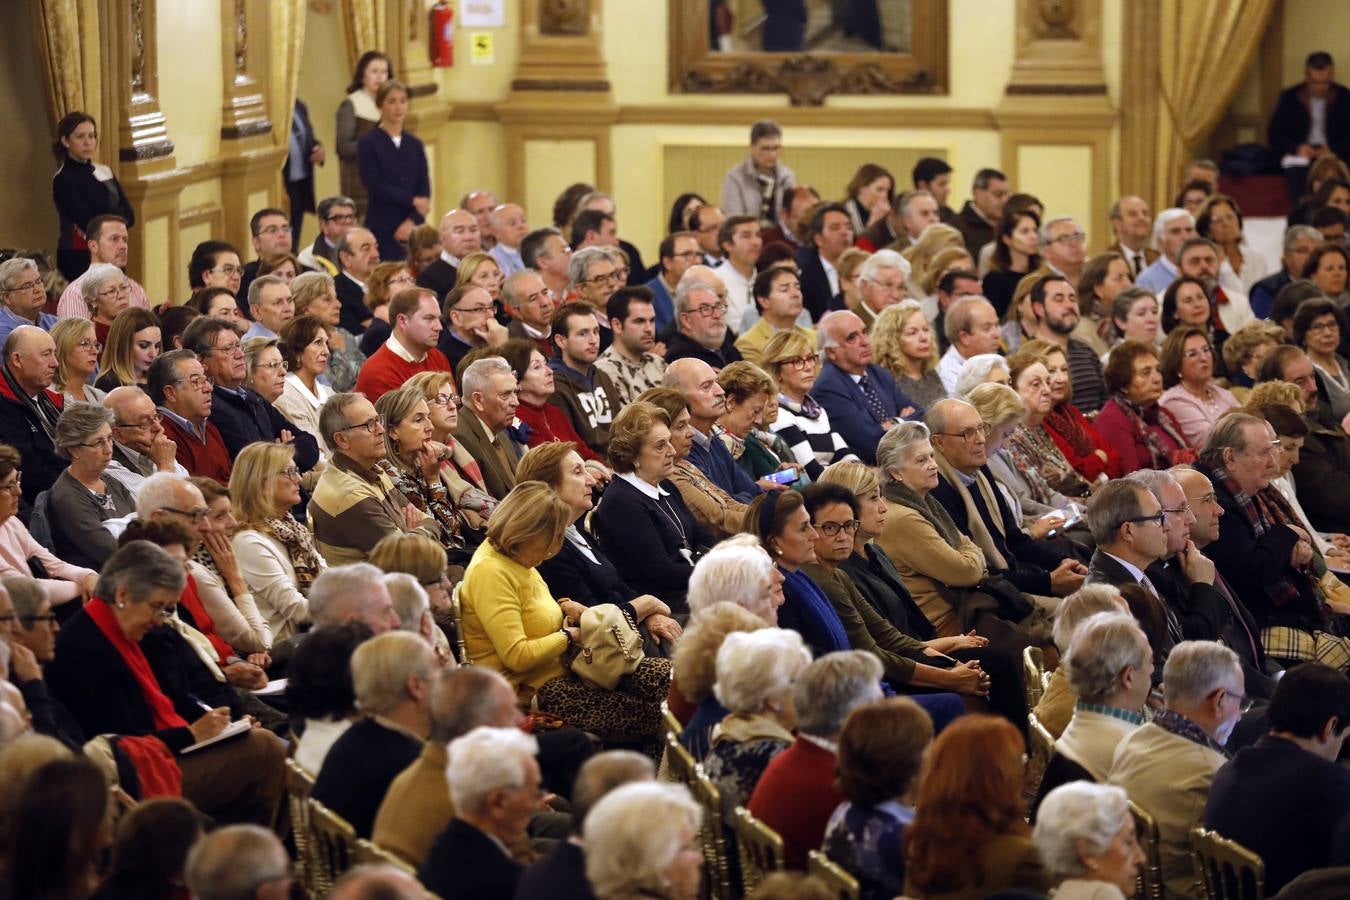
[1086,838]
[495,787]
[82,499]
[106,292]
[982,368]
[413,608]
[642,842]
[692,699]
[1056,705]
[755,676]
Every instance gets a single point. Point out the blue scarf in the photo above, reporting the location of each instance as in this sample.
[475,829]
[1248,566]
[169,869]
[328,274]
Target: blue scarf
[828,632]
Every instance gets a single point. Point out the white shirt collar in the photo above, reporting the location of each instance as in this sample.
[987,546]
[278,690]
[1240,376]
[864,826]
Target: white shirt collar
[452,260]
[655,491]
[1135,572]
[403,352]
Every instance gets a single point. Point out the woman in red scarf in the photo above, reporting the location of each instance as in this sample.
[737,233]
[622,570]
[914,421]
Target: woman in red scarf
[119,672]
[1082,445]
[1145,435]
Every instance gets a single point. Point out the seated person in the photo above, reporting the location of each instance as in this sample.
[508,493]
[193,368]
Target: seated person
[755,676]
[1056,705]
[580,570]
[749,400]
[182,393]
[582,392]
[642,523]
[861,398]
[494,786]
[968,837]
[490,399]
[61,582]
[114,679]
[319,692]
[1145,435]
[1291,777]
[1086,839]
[390,674]
[1167,765]
[1193,396]
[82,499]
[695,660]
[711,506]
[697,382]
[140,445]
[513,625]
[1090,454]
[547,422]
[29,408]
[798,791]
[792,361]
[642,841]
[881,750]
[352,593]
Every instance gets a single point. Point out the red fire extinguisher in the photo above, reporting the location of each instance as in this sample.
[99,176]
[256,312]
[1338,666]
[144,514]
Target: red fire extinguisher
[443,35]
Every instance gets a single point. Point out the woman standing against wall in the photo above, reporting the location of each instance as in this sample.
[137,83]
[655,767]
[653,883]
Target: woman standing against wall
[357,116]
[81,189]
[394,170]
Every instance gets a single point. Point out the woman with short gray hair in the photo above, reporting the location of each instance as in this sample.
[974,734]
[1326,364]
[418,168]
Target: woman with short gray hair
[1086,838]
[81,499]
[1055,708]
[756,671]
[642,841]
[106,292]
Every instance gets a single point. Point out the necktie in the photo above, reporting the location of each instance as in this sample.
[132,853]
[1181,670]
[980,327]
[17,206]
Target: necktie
[1138,264]
[1222,587]
[872,398]
[504,457]
[1173,626]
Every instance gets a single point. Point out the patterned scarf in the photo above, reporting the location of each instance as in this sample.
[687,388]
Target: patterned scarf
[1257,513]
[1145,421]
[808,409]
[1176,723]
[735,446]
[1033,451]
[299,546]
[1066,421]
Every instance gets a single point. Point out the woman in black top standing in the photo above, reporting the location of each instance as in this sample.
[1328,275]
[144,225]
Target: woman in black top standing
[82,189]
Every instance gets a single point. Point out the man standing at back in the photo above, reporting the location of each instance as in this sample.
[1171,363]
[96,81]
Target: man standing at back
[754,186]
[1310,120]
[411,347]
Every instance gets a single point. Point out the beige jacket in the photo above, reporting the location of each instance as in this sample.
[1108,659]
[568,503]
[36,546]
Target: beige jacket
[925,561]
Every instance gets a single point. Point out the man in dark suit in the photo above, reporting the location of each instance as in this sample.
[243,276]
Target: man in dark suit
[1299,243]
[978,219]
[305,153]
[460,236]
[489,405]
[701,326]
[1285,798]
[336,214]
[358,255]
[392,676]
[495,787]
[861,399]
[1133,225]
[829,234]
[1310,120]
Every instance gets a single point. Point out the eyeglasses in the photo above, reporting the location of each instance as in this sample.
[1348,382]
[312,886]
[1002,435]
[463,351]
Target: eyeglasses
[26,286]
[1244,702]
[688,254]
[275,229]
[472,309]
[1158,520]
[1211,497]
[832,529]
[48,618]
[11,617]
[372,425]
[1324,326]
[230,349]
[402,279]
[98,444]
[273,366]
[446,400]
[1198,352]
[197,381]
[163,613]
[1075,237]
[291,472]
[708,310]
[968,434]
[893,287]
[1181,510]
[198,516]
[147,422]
[229,270]
[342,218]
[608,276]
[15,487]
[90,344]
[800,362]
[117,291]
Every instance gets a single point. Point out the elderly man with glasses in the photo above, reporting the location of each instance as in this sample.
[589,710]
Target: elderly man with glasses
[861,398]
[140,445]
[22,296]
[701,325]
[354,504]
[177,383]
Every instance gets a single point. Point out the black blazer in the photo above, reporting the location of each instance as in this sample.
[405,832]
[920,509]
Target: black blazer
[641,537]
[79,197]
[353,299]
[440,277]
[1285,804]
[559,875]
[21,428]
[466,864]
[1104,569]
[393,176]
[570,574]
[358,770]
[1290,121]
[1030,575]
[816,293]
[90,678]
[248,419]
[681,346]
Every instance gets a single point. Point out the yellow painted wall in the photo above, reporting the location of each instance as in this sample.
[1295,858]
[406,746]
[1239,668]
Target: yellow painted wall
[1315,25]
[190,77]
[29,218]
[1062,178]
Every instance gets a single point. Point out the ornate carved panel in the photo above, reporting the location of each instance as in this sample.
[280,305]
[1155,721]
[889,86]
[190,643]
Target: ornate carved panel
[809,77]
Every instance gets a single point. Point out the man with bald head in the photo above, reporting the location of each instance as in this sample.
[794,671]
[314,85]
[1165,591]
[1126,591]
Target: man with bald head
[140,446]
[1131,222]
[480,204]
[239,862]
[377,882]
[509,229]
[460,235]
[358,254]
[861,398]
[697,381]
[29,407]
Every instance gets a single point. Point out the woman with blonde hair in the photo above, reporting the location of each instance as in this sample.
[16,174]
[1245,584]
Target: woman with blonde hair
[935,238]
[945,260]
[481,270]
[903,342]
[386,280]
[413,462]
[133,343]
[514,625]
[77,350]
[459,470]
[276,553]
[424,561]
[849,267]
[314,294]
[793,362]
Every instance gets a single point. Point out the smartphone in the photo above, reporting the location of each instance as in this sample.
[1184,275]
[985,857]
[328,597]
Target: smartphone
[786,476]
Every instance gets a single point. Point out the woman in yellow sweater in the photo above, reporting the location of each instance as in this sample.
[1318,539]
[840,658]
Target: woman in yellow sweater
[513,624]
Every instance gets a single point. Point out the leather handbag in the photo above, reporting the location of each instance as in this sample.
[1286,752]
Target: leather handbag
[610,646]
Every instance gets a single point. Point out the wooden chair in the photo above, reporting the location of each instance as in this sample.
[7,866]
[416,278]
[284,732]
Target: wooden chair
[1033,672]
[841,884]
[456,614]
[1149,885]
[1228,870]
[1042,747]
[334,841]
[369,853]
[761,850]
[714,835]
[299,784]
[680,764]
[673,727]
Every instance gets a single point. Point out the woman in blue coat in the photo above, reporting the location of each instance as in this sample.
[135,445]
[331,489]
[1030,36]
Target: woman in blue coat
[393,167]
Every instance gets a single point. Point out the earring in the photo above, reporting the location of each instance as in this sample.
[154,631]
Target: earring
[121,604]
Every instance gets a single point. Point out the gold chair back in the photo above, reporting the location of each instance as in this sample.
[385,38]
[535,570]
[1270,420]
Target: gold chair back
[714,835]
[334,841]
[761,850]
[458,617]
[673,727]
[842,885]
[680,763]
[299,784]
[1149,884]
[369,853]
[1228,870]
[1042,748]
[1033,673]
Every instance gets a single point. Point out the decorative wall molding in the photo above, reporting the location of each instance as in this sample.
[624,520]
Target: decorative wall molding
[963,118]
[808,80]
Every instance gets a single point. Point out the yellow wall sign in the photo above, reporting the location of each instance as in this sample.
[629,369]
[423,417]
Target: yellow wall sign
[480,48]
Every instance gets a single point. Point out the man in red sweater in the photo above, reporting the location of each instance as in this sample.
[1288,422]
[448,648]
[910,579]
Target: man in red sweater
[411,348]
[178,384]
[797,792]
